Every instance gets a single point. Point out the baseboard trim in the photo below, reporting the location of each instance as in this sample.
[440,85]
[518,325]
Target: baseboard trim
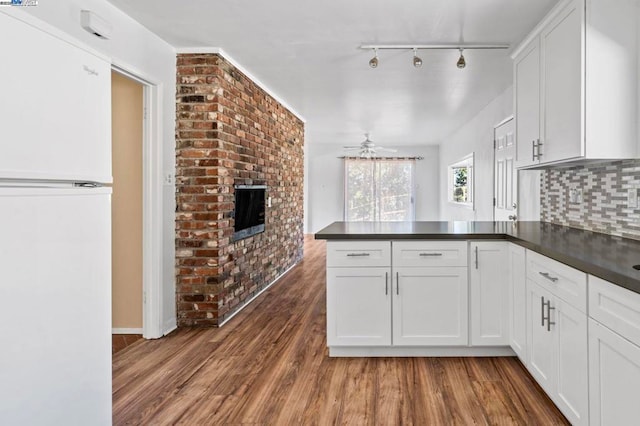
[257,294]
[126,331]
[437,351]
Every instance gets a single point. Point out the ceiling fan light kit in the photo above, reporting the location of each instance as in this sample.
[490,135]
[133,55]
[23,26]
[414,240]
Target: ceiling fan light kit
[368,149]
[373,63]
[417,61]
[461,62]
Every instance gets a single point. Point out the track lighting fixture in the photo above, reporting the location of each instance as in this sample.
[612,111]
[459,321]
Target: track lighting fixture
[417,61]
[373,63]
[461,62]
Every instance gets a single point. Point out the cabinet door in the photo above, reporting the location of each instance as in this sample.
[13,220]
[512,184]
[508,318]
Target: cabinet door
[55,108]
[358,307]
[518,301]
[489,295]
[558,351]
[540,341]
[527,103]
[430,306]
[570,328]
[614,377]
[562,47]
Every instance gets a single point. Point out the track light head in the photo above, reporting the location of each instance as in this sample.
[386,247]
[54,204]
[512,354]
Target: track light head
[373,62]
[417,62]
[461,61]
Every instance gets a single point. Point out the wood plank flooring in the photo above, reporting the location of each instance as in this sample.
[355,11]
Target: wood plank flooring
[269,366]
[121,341]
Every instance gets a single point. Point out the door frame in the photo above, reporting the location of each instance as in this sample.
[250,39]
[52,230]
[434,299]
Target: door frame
[152,180]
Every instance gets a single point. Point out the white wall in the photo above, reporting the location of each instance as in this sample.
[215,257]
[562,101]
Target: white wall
[477,136]
[142,53]
[324,194]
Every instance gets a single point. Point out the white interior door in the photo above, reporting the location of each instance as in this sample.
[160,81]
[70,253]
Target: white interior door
[505,172]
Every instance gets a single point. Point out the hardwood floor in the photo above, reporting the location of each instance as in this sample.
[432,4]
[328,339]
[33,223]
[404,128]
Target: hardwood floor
[269,366]
[121,341]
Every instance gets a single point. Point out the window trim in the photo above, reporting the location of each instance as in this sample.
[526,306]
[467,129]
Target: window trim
[467,161]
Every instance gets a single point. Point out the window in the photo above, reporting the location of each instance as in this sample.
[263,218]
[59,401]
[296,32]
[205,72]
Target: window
[460,176]
[379,190]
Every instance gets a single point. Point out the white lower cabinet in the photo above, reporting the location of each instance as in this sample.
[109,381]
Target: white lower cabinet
[358,307]
[540,340]
[504,295]
[489,294]
[430,306]
[428,296]
[614,377]
[557,344]
[517,288]
[614,354]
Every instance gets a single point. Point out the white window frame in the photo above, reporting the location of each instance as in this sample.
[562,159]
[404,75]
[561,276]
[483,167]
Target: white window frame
[468,162]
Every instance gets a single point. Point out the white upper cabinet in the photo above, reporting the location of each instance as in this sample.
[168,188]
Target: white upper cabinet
[562,80]
[527,103]
[55,107]
[576,85]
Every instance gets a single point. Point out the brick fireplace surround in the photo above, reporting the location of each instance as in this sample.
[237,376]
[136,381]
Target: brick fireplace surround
[230,131]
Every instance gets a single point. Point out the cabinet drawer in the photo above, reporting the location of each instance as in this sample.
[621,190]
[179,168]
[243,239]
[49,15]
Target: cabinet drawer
[429,253]
[615,307]
[358,253]
[561,280]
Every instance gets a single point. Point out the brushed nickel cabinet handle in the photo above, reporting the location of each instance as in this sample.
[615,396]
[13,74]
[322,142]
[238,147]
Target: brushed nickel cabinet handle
[533,150]
[358,254]
[549,277]
[386,283]
[539,152]
[430,254]
[549,309]
[542,304]
[476,257]
[398,283]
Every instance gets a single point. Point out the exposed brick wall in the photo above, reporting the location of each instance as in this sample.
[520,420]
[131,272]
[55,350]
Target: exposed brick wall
[229,131]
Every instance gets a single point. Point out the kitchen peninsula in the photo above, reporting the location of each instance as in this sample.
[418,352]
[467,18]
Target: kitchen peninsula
[564,300]
[608,257]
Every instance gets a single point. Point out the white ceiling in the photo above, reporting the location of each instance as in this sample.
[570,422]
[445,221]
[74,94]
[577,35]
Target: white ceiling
[306,51]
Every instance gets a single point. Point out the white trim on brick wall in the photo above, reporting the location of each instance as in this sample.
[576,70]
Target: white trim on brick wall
[253,78]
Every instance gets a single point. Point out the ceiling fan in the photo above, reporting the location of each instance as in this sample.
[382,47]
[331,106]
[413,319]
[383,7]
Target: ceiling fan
[368,149]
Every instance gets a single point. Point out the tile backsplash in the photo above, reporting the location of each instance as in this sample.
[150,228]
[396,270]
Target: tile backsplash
[602,205]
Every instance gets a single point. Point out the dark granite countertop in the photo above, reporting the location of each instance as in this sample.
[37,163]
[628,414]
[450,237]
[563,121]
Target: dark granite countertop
[605,256]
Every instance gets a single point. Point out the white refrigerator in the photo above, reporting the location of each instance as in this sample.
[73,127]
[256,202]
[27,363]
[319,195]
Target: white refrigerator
[55,306]
[55,229]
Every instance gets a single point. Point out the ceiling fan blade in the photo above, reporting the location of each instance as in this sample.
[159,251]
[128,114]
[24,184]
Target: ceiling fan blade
[352,147]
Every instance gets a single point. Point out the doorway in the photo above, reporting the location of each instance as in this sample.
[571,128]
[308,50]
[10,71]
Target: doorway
[127,121]
[505,174]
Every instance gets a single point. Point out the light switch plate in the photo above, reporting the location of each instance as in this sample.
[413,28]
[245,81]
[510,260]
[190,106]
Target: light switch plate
[575,195]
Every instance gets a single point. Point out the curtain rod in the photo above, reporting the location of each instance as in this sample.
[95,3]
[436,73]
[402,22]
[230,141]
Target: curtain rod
[380,158]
